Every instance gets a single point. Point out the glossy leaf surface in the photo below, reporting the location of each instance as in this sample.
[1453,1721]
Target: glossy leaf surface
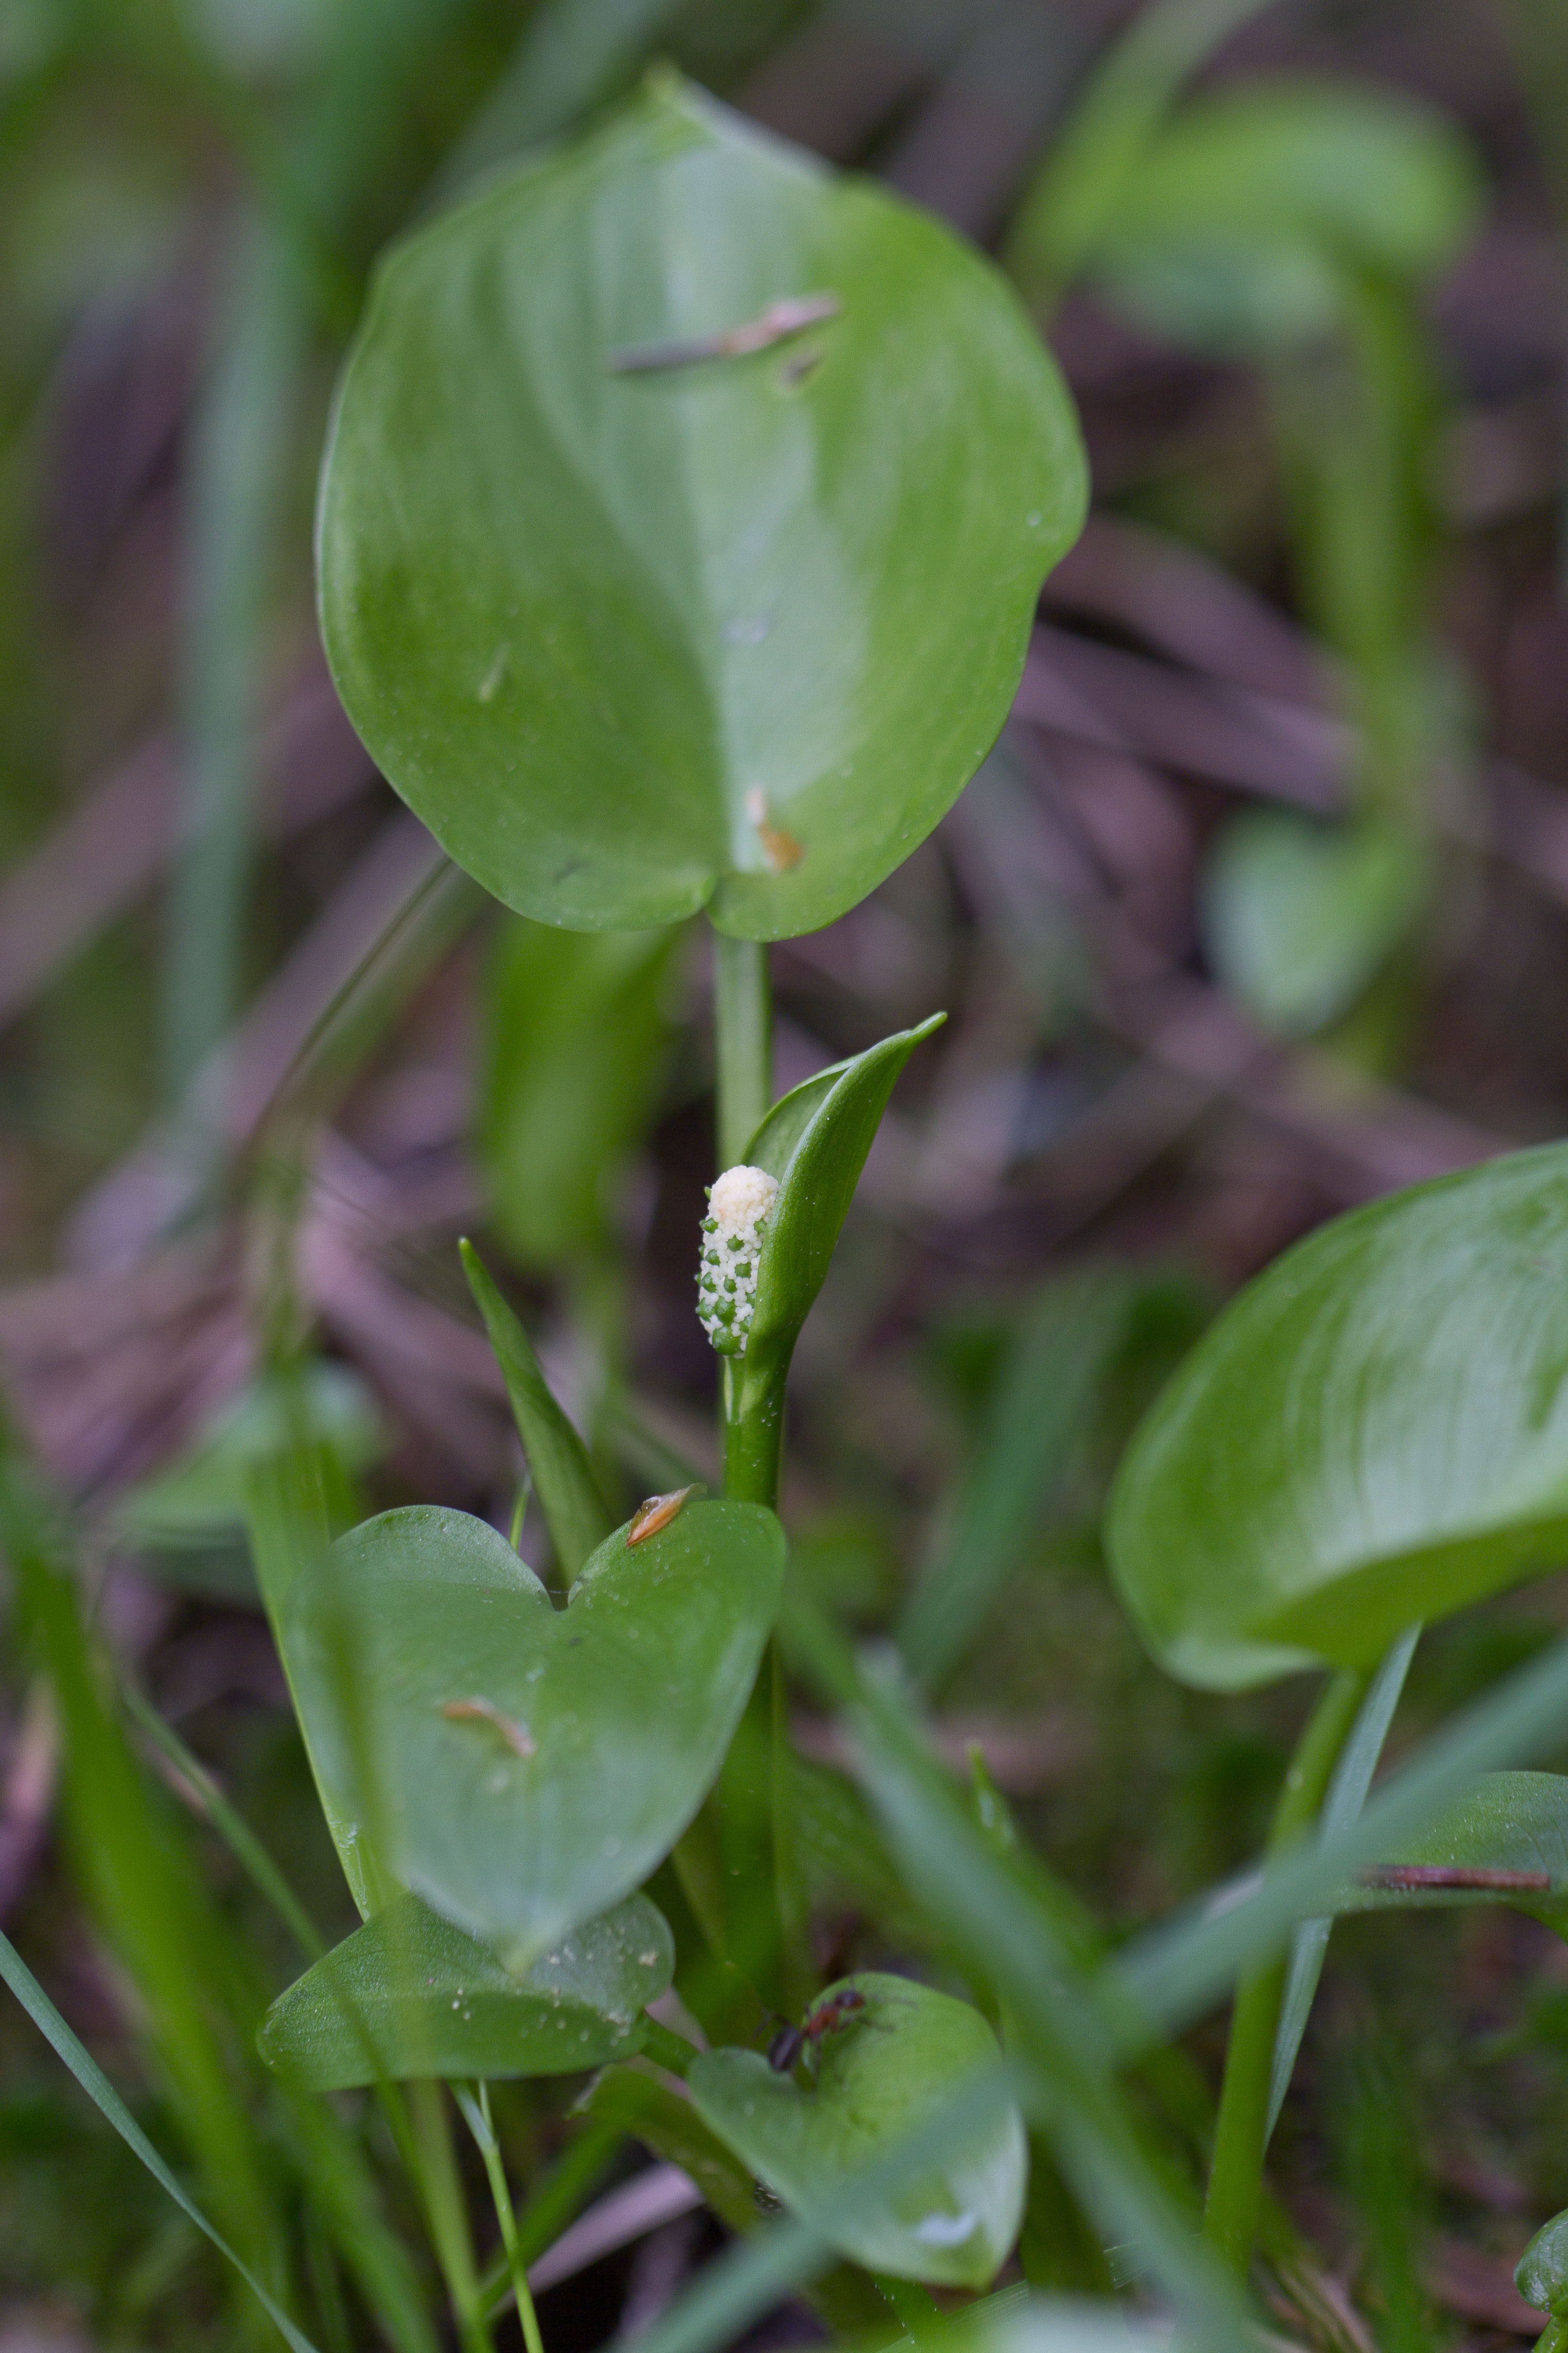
[410,1995]
[1235,229]
[521,1768]
[564,1478]
[578,1039]
[636,641]
[878,2076]
[1299,917]
[1374,1433]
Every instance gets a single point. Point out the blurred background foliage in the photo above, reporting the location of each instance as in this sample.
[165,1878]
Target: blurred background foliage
[1258,910]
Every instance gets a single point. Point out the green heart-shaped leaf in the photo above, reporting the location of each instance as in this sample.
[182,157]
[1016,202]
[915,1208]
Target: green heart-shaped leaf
[637,638]
[1299,917]
[881,2073]
[410,1995]
[1375,1432]
[521,1768]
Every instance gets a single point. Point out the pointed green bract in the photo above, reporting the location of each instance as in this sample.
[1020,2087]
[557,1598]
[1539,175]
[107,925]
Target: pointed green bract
[409,1995]
[815,1142]
[1374,1433]
[634,640]
[892,2062]
[522,1769]
[575,1511]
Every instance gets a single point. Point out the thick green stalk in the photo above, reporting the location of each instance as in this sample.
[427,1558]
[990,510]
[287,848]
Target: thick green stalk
[1553,2338]
[753,1435]
[1241,2133]
[743,1043]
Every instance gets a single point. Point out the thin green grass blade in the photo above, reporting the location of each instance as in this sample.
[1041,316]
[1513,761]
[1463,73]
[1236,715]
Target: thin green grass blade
[1343,1805]
[574,55]
[240,453]
[1062,2040]
[1171,1975]
[102,2092]
[1045,1392]
[1126,98]
[575,1511]
[236,1833]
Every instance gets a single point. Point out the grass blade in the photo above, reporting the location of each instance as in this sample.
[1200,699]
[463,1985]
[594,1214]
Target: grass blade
[1343,1805]
[102,2092]
[1043,1398]
[236,1833]
[575,1511]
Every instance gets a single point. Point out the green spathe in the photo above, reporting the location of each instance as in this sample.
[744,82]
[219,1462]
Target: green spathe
[409,1995]
[879,2075]
[523,1767]
[1375,1432]
[635,643]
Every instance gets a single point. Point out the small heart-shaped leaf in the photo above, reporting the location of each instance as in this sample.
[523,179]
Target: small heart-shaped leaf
[410,1995]
[521,1768]
[882,2070]
[1374,1433]
[643,465]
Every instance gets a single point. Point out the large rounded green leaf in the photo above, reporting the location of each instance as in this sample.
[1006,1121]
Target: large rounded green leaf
[1235,229]
[521,1767]
[886,2070]
[731,630]
[410,1995]
[1374,1433]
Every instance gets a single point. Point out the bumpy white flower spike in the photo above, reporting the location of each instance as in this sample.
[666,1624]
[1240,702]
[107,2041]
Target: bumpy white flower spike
[739,1204]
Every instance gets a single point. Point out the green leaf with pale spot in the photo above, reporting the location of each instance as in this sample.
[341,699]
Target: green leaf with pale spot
[409,1995]
[877,2077]
[523,1767]
[634,643]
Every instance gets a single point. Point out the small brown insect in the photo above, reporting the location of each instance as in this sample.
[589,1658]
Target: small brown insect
[657,1513]
[517,1736]
[1417,1875]
[825,2017]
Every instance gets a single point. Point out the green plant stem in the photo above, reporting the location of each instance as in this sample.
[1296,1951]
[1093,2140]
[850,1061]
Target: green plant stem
[666,2048]
[557,2201]
[753,1435]
[743,1043]
[442,2192]
[476,2108]
[1241,2132]
[1553,2338]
